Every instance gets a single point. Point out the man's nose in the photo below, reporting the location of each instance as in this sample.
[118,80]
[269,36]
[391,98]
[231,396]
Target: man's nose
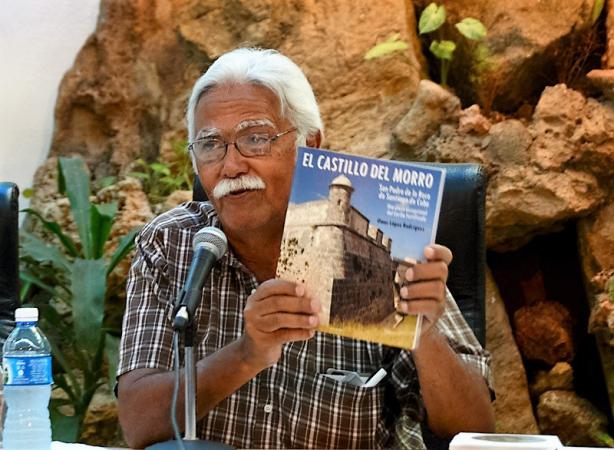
[234,163]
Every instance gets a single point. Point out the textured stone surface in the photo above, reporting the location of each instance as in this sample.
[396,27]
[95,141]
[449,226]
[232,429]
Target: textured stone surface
[101,426]
[604,80]
[508,143]
[127,91]
[133,211]
[596,236]
[513,410]
[573,419]
[471,120]
[602,317]
[543,332]
[175,199]
[560,377]
[526,40]
[601,320]
[555,168]
[608,57]
[432,107]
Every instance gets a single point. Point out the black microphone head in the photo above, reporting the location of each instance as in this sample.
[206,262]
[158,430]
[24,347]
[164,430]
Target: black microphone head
[213,239]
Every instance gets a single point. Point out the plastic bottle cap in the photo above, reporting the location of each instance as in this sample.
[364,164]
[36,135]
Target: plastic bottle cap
[26,315]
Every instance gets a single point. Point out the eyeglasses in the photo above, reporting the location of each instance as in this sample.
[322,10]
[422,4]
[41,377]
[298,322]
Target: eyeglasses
[213,149]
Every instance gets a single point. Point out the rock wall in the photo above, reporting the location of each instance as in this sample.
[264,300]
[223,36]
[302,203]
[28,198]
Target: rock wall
[544,171]
[513,408]
[125,97]
[529,45]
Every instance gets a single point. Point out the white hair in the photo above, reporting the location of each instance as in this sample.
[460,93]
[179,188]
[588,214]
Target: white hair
[267,68]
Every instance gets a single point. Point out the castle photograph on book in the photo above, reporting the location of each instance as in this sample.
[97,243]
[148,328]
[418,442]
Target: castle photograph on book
[352,223]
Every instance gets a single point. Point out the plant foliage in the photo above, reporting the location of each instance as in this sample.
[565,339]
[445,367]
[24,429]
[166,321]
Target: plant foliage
[69,284]
[471,28]
[390,45]
[160,179]
[431,20]
[443,49]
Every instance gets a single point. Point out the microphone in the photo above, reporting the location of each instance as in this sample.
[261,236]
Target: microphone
[209,244]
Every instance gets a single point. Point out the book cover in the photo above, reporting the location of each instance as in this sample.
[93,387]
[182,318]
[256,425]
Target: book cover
[351,222]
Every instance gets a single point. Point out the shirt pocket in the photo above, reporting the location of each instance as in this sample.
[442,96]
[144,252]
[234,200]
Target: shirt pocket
[333,414]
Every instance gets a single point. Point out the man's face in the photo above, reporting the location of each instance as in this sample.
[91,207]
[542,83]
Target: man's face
[229,110]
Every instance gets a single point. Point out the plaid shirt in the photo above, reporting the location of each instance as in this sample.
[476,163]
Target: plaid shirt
[290,404]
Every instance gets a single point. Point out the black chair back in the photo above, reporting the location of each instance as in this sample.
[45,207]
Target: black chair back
[9,258]
[461,229]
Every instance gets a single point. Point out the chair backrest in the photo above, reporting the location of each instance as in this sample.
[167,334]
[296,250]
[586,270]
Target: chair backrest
[461,228]
[9,261]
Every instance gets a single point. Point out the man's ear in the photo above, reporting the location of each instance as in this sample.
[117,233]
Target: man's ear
[314,140]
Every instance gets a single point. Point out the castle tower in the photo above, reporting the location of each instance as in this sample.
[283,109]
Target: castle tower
[340,196]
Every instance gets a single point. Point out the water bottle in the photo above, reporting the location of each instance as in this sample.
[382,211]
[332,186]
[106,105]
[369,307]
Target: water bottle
[27,385]
[2,409]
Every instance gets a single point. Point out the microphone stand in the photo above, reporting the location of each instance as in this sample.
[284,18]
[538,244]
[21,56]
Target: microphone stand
[190,442]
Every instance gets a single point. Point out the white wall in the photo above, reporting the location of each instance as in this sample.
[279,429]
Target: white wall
[39,40]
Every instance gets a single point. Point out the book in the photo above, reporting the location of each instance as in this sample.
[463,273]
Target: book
[352,223]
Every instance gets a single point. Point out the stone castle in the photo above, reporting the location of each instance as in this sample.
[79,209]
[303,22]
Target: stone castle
[343,259]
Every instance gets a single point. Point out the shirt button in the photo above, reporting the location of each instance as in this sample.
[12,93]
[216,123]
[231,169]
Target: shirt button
[268,409]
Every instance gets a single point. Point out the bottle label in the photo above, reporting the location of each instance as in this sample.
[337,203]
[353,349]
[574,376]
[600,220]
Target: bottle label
[27,370]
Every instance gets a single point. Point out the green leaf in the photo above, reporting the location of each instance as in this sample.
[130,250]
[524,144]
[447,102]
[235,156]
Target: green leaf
[28,193]
[108,181]
[126,243]
[63,428]
[24,289]
[101,222]
[386,48]
[471,28]
[66,240]
[112,350]
[60,324]
[160,168]
[77,183]
[28,278]
[88,284]
[38,250]
[597,8]
[140,175]
[431,18]
[59,380]
[443,49]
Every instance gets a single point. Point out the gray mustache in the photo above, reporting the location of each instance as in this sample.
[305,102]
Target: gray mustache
[243,183]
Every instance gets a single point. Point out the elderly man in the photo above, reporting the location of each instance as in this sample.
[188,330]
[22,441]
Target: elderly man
[260,367]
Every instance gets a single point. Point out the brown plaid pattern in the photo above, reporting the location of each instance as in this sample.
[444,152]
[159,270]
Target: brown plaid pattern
[289,405]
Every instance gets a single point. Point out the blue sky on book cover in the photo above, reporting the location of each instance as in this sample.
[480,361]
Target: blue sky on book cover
[393,195]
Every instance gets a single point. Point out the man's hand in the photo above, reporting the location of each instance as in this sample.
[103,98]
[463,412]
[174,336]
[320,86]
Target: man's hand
[423,288]
[277,312]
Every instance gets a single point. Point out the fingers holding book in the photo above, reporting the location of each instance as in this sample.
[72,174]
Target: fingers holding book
[277,312]
[423,285]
